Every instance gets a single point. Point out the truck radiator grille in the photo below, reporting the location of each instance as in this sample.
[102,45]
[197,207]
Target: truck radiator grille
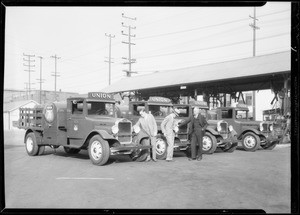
[182,133]
[125,133]
[224,129]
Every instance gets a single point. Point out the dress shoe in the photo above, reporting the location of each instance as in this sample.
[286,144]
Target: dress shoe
[154,160]
[192,159]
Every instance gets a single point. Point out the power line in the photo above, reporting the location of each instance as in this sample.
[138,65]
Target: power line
[204,27]
[213,47]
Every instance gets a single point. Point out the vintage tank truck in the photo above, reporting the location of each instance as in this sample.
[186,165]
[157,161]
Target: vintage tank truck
[251,133]
[82,124]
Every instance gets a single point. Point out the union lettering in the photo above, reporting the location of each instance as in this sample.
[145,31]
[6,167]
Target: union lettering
[100,95]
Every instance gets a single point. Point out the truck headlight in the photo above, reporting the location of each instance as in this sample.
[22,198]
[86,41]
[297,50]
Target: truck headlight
[115,129]
[136,129]
[261,128]
[219,128]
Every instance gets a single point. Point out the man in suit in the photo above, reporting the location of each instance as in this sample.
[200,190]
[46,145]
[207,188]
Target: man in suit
[197,128]
[148,124]
[167,126]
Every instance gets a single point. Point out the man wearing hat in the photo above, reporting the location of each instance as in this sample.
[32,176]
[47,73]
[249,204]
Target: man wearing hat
[197,128]
[167,126]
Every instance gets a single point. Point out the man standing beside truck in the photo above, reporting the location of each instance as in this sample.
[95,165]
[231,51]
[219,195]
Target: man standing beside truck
[149,126]
[197,128]
[168,126]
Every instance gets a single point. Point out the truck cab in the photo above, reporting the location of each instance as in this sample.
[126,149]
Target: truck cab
[252,133]
[82,124]
[216,134]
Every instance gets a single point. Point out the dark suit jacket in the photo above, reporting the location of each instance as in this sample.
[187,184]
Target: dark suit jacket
[202,121]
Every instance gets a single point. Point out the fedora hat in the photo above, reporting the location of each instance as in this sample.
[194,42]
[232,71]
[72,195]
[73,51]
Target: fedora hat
[176,111]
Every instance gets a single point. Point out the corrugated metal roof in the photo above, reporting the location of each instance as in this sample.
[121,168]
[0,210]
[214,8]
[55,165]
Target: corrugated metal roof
[8,107]
[247,67]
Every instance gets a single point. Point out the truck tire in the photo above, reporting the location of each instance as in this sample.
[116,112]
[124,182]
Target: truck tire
[30,144]
[69,150]
[145,152]
[41,150]
[209,143]
[269,147]
[161,147]
[250,142]
[232,149]
[99,151]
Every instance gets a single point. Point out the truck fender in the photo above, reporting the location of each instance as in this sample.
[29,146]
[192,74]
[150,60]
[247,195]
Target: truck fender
[212,131]
[38,136]
[255,131]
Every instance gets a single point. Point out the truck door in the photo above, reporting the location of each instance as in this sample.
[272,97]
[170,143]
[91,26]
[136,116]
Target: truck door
[75,120]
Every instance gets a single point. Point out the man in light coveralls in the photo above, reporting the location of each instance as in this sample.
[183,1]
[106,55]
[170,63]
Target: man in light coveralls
[148,124]
[167,126]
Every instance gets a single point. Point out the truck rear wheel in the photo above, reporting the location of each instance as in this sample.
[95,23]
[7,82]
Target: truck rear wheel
[69,150]
[209,143]
[98,150]
[30,143]
[161,147]
[250,142]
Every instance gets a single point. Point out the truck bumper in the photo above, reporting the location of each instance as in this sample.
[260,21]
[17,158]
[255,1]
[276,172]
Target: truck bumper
[127,149]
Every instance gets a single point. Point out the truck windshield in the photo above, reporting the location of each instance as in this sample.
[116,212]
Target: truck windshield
[241,114]
[159,110]
[184,111]
[100,108]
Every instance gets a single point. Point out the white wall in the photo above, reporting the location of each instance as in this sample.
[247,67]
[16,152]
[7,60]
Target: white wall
[263,102]
[8,118]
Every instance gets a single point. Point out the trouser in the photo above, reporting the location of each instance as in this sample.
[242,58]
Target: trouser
[153,144]
[197,139]
[170,147]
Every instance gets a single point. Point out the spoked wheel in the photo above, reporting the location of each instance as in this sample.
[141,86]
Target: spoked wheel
[161,148]
[250,142]
[30,143]
[98,150]
[209,143]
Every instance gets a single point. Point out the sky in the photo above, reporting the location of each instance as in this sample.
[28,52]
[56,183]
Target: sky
[165,38]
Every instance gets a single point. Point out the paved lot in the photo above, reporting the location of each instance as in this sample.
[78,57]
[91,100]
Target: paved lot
[238,180]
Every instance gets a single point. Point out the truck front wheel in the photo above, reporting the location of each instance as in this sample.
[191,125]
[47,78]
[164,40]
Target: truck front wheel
[250,142]
[161,147]
[209,143]
[98,150]
[30,143]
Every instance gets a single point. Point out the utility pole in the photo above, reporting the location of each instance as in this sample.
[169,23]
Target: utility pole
[55,75]
[109,58]
[29,70]
[130,60]
[254,27]
[40,79]
[26,88]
